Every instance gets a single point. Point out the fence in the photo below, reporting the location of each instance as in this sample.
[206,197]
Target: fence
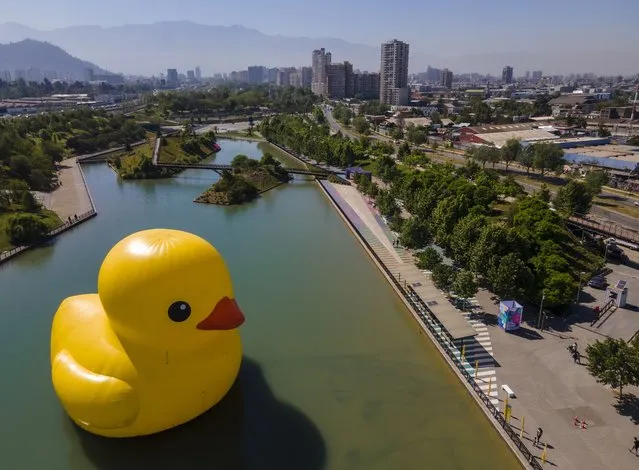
[72,222]
[432,324]
[7,255]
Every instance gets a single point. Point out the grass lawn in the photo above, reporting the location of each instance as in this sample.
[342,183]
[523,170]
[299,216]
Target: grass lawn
[50,218]
[616,206]
[172,152]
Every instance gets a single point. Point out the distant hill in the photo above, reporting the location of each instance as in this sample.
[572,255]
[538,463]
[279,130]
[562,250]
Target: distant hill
[150,49]
[29,53]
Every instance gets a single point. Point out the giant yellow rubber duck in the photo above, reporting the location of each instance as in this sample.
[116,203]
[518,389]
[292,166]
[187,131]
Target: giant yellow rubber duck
[158,344]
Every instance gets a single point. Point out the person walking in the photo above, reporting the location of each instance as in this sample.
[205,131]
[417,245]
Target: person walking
[635,446]
[537,440]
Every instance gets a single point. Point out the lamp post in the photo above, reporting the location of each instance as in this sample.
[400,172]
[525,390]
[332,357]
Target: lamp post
[541,309]
[606,252]
[581,275]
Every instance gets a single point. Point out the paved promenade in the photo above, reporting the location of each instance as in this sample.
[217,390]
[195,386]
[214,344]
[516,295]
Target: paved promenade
[551,390]
[478,350]
[72,197]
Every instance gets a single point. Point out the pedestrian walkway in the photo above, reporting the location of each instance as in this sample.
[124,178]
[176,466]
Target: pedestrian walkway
[473,337]
[72,197]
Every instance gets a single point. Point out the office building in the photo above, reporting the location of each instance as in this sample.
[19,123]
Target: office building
[507,74]
[447,78]
[190,75]
[433,75]
[321,60]
[5,76]
[537,75]
[257,74]
[394,73]
[198,73]
[307,77]
[171,77]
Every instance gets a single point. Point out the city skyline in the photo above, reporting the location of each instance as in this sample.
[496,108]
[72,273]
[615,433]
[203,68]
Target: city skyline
[492,37]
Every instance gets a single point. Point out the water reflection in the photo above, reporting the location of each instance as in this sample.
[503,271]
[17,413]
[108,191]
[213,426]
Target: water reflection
[249,429]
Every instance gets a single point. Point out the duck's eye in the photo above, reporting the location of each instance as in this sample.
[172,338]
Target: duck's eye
[179,311]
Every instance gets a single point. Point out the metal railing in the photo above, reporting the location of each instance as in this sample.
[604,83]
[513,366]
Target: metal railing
[432,324]
[6,255]
[71,222]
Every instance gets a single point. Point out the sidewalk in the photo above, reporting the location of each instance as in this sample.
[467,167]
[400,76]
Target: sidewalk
[551,390]
[72,197]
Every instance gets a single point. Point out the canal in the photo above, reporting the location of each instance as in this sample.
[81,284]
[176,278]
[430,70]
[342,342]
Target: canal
[335,374]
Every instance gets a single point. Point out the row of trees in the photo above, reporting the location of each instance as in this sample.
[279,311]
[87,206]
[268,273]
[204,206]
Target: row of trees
[20,88]
[312,138]
[227,100]
[519,255]
[542,156]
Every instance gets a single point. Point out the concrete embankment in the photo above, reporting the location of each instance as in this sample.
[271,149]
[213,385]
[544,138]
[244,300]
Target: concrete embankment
[436,334]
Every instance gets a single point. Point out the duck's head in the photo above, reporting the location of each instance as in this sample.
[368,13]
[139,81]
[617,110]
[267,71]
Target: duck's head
[167,288]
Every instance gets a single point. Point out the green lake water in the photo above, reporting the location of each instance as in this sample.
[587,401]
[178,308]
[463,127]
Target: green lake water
[336,374]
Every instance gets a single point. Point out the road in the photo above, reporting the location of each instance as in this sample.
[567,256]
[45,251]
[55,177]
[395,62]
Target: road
[597,211]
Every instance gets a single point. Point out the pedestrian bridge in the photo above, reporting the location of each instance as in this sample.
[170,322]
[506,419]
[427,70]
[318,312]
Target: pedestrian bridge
[219,167]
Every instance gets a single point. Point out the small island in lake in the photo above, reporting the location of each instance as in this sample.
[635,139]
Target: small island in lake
[248,179]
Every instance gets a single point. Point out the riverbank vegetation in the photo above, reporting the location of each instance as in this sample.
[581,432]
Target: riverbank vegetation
[22,218]
[184,148]
[246,181]
[30,148]
[521,252]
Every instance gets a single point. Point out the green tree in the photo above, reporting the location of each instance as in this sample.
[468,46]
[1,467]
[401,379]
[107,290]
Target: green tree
[465,285]
[415,233]
[443,276]
[595,181]
[547,157]
[29,202]
[429,259]
[417,135]
[20,166]
[543,193]
[614,362]
[573,198]
[510,151]
[386,168]
[386,203]
[603,132]
[25,229]
[559,288]
[361,125]
[526,158]
[511,277]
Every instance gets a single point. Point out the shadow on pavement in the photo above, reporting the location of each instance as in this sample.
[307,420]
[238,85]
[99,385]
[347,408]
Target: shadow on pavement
[249,428]
[628,405]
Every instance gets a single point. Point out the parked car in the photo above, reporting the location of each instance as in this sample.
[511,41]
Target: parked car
[598,282]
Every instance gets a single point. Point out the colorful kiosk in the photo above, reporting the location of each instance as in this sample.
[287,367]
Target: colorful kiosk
[510,314]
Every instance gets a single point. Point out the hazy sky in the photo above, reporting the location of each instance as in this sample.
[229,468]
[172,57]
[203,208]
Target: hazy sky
[440,27]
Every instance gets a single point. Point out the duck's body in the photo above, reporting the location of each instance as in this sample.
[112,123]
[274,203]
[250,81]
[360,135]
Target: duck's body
[113,385]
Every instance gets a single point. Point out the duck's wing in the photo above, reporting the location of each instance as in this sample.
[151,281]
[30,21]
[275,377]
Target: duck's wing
[95,400]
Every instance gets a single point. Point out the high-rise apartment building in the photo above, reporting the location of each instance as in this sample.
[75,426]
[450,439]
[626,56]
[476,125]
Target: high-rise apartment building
[257,74]
[307,77]
[321,61]
[366,85]
[172,77]
[507,74]
[393,88]
[198,73]
[190,75]
[447,78]
[537,75]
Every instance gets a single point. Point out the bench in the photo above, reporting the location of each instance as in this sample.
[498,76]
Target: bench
[508,390]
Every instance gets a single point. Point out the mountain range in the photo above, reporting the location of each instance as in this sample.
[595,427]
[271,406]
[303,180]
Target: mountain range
[29,53]
[149,49]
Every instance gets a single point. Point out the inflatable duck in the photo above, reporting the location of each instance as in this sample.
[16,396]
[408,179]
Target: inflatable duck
[158,344]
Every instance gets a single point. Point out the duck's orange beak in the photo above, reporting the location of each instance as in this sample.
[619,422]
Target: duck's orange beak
[225,316]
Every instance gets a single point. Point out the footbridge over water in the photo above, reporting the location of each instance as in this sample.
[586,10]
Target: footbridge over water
[219,167]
